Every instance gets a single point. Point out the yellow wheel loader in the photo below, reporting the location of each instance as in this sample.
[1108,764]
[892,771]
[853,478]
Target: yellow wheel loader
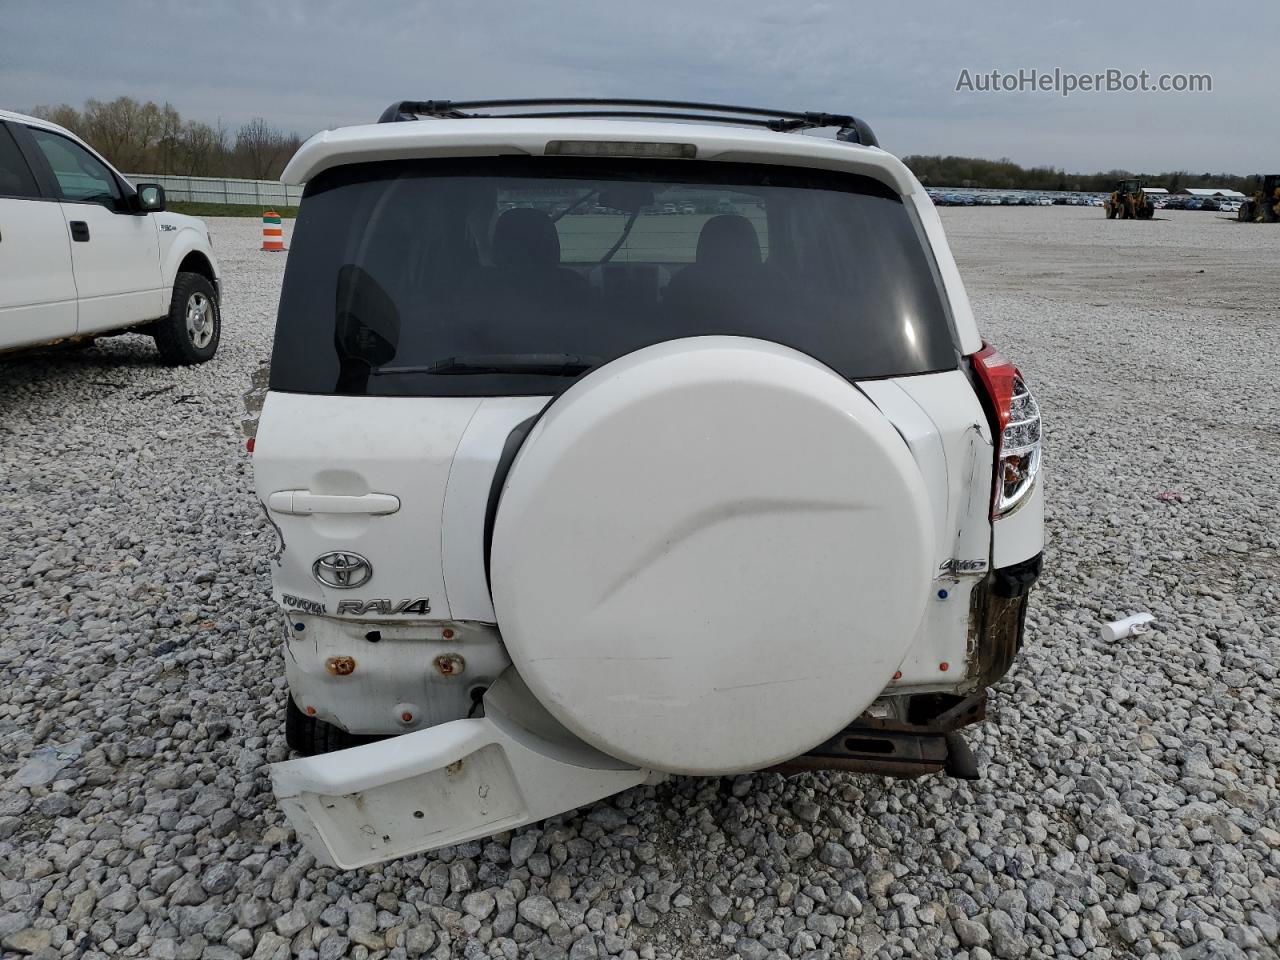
[1263,206]
[1129,202]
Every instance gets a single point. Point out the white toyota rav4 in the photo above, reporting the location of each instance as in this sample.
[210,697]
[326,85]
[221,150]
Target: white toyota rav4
[574,491]
[85,254]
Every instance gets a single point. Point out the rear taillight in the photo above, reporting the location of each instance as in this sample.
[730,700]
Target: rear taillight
[1017,429]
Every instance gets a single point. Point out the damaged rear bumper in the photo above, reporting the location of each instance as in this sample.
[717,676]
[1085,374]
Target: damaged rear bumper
[998,618]
[466,779]
[920,734]
[450,783]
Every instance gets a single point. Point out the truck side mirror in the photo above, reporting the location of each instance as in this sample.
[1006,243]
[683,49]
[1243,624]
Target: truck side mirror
[149,198]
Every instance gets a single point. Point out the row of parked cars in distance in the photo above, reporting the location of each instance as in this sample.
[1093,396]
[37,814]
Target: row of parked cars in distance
[953,198]
[1222,204]
[944,198]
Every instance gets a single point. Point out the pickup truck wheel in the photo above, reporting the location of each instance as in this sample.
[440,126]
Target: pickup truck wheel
[309,736]
[191,330]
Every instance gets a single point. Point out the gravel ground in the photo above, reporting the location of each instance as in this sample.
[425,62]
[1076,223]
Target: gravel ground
[1129,803]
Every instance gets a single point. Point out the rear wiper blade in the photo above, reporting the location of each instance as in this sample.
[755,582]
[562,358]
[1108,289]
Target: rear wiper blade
[540,364]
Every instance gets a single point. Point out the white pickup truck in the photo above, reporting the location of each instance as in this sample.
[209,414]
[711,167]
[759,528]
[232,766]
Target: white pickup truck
[576,488]
[86,254]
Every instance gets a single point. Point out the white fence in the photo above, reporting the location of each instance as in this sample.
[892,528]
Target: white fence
[250,193]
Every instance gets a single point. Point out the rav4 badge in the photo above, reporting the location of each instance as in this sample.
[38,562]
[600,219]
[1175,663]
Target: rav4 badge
[419,607]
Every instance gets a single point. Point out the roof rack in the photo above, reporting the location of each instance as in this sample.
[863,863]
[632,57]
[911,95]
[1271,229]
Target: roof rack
[851,129]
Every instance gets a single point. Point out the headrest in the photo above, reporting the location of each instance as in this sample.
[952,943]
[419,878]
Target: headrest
[524,237]
[728,241]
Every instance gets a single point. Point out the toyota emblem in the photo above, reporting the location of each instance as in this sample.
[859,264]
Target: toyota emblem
[342,569]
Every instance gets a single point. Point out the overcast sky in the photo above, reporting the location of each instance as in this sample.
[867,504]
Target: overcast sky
[305,66]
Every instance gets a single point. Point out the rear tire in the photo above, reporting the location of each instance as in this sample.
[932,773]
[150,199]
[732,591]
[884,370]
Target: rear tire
[309,736]
[190,332]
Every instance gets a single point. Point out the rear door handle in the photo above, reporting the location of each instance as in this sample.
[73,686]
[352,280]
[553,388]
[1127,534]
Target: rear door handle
[79,231]
[304,503]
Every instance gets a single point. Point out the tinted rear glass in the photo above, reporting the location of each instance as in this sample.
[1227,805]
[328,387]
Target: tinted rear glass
[509,276]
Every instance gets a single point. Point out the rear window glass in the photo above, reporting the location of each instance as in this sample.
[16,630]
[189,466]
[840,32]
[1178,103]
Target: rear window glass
[511,276]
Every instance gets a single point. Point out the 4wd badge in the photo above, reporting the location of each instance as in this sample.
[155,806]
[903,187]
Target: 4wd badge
[957,567]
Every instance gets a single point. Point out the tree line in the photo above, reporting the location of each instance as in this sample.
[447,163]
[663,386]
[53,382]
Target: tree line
[154,138]
[1004,174]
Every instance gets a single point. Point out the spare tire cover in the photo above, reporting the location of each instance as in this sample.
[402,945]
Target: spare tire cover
[710,555]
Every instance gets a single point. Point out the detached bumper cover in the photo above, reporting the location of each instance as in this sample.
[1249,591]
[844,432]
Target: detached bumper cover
[445,785]
[467,779]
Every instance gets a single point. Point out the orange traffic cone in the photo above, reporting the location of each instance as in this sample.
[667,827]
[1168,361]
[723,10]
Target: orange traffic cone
[272,232]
